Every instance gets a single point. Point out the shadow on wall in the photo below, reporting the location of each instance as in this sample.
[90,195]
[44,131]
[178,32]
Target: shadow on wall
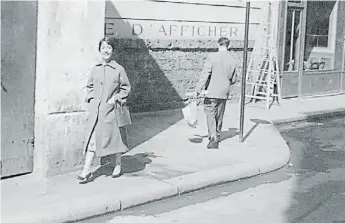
[151,89]
[160,72]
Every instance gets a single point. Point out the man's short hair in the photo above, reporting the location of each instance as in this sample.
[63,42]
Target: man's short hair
[223,41]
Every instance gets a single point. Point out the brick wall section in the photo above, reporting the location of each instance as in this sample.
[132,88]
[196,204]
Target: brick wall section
[161,72]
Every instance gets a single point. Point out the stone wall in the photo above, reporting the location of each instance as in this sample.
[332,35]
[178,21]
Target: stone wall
[163,48]
[162,71]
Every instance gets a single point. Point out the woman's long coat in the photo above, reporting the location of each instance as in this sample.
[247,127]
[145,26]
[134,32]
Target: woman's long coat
[105,81]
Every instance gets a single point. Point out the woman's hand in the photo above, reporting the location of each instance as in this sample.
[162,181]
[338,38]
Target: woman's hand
[89,100]
[114,99]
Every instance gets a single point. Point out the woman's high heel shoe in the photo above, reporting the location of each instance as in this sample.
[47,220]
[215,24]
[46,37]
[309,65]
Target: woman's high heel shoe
[83,180]
[117,171]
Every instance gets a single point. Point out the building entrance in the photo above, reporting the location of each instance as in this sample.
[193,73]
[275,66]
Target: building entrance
[313,48]
[18,63]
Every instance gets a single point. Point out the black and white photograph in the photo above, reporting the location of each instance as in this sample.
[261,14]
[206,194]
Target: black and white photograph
[172,111]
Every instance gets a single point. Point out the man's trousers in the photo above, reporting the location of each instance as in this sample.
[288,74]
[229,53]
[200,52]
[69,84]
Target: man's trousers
[214,110]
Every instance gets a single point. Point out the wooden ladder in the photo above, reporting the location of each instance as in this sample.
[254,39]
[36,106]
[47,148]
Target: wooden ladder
[263,78]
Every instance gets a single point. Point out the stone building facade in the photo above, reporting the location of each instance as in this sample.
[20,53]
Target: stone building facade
[163,44]
[49,48]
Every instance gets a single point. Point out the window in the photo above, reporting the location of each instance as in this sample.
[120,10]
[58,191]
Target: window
[320,37]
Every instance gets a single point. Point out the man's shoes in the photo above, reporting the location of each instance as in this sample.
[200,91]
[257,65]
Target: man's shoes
[218,138]
[213,144]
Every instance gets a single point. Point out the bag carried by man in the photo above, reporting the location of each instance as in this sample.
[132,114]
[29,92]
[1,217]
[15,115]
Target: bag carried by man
[190,111]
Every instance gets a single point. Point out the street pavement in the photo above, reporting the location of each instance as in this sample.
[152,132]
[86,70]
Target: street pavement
[166,159]
[311,189]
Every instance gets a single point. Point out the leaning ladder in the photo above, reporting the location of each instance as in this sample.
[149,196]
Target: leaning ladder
[263,78]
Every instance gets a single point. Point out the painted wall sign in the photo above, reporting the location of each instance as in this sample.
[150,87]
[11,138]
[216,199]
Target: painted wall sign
[146,29]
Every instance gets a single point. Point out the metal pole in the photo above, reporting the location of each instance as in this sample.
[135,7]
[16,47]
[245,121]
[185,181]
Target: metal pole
[244,71]
[342,68]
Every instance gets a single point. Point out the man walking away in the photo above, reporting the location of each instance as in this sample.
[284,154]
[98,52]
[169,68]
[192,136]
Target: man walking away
[217,76]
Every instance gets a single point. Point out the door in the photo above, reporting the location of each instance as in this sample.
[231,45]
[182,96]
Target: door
[312,61]
[324,45]
[18,59]
[291,58]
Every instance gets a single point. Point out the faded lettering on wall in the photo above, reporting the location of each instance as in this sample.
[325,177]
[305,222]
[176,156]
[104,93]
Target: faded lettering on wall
[122,28]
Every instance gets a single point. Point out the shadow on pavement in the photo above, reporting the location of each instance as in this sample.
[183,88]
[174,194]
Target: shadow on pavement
[257,123]
[130,164]
[152,91]
[230,133]
[147,125]
[144,127]
[137,162]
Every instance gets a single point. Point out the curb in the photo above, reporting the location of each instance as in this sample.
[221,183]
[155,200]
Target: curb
[315,115]
[184,184]
[86,208]
[222,175]
[197,181]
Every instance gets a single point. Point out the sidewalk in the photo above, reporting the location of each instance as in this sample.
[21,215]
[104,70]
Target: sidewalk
[166,160]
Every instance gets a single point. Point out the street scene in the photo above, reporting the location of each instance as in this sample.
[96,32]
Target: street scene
[309,189]
[172,111]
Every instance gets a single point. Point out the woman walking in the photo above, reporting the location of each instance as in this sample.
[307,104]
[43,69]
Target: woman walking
[107,89]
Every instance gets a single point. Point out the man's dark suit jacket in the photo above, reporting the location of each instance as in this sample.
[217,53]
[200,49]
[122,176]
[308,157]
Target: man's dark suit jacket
[217,75]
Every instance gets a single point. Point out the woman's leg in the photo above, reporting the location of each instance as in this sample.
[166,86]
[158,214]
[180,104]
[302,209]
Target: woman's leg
[88,161]
[117,169]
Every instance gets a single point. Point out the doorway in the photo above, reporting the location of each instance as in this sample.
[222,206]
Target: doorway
[18,63]
[313,48]
[293,43]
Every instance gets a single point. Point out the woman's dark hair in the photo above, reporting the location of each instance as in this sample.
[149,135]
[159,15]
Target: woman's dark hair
[223,41]
[109,40]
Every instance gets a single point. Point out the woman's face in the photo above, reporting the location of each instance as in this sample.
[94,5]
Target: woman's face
[106,51]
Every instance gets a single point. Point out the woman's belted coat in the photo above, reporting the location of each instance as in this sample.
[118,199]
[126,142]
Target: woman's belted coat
[105,81]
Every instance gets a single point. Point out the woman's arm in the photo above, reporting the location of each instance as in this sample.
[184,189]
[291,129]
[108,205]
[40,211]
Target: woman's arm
[125,86]
[90,88]
[124,89]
